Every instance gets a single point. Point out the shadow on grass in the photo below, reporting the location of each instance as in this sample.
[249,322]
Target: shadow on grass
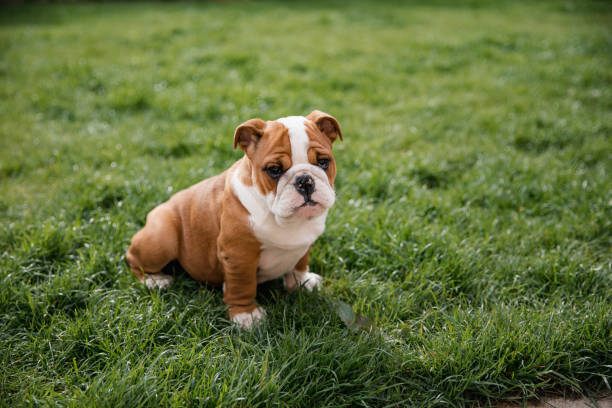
[295,310]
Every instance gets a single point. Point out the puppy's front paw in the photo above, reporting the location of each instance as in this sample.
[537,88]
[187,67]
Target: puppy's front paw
[159,281]
[308,280]
[246,320]
[312,281]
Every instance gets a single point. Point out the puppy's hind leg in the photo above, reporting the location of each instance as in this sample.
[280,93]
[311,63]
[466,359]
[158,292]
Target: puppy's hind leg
[153,247]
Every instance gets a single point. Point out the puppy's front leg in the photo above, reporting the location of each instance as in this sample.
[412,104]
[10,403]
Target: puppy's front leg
[301,277]
[240,285]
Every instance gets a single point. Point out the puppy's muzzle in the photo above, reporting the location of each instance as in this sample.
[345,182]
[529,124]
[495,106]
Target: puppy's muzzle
[305,185]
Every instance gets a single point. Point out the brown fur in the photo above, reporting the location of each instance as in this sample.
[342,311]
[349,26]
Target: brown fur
[302,264]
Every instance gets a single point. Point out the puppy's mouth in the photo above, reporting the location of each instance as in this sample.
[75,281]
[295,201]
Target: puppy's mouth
[308,203]
[308,209]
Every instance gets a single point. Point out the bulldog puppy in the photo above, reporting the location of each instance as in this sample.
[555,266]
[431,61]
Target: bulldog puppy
[252,223]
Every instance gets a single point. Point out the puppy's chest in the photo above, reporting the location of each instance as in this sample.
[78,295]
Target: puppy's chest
[275,262]
[283,247]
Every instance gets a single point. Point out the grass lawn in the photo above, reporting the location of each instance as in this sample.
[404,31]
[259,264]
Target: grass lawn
[473,224]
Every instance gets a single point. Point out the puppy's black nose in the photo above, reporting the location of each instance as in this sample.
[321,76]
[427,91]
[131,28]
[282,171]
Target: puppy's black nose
[304,185]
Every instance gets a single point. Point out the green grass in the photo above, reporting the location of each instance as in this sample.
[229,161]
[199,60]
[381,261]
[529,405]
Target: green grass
[473,224]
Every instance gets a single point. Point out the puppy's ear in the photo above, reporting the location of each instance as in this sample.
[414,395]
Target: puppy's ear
[326,124]
[248,134]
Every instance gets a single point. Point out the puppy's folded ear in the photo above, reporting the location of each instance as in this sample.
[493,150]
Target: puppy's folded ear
[248,134]
[327,124]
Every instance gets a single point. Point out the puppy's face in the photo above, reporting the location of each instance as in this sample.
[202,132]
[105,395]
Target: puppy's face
[292,164]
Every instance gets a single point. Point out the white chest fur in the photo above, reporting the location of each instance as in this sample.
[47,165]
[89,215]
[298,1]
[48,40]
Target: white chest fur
[275,262]
[283,246]
[283,243]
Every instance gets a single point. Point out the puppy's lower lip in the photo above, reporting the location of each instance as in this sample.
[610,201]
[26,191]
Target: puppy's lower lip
[308,203]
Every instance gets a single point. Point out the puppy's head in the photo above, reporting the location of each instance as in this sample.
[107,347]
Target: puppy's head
[292,164]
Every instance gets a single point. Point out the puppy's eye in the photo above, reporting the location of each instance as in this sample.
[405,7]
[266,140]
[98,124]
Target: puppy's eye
[274,171]
[323,163]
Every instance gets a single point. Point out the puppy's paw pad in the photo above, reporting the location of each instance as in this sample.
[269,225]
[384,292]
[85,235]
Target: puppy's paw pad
[159,281]
[248,320]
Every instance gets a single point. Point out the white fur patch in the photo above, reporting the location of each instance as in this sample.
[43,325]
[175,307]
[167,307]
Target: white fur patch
[247,320]
[298,137]
[251,198]
[282,243]
[159,281]
[275,262]
[307,280]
